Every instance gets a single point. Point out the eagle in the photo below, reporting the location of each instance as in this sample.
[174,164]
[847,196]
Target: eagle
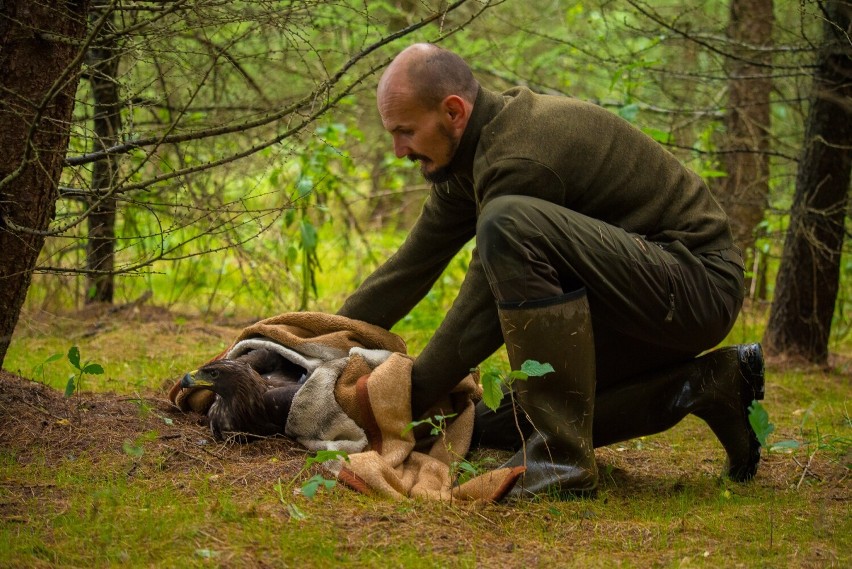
[254,393]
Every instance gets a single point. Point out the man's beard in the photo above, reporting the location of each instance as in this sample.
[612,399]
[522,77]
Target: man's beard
[444,173]
[437,176]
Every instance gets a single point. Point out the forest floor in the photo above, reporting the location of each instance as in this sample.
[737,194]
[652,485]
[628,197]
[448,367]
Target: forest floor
[121,477]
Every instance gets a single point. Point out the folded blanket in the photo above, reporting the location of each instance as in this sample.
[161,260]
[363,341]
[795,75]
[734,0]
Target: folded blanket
[356,397]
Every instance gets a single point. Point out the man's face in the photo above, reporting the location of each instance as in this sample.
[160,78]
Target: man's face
[420,134]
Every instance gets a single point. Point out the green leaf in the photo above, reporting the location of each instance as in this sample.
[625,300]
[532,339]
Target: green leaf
[465,471]
[94,369]
[517,374]
[70,387]
[74,356]
[292,254]
[279,488]
[296,513]
[309,488]
[443,418]
[758,418]
[536,369]
[53,358]
[310,237]
[785,445]
[411,425]
[492,391]
[326,455]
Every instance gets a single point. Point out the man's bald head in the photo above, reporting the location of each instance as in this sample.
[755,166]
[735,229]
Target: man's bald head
[425,98]
[429,74]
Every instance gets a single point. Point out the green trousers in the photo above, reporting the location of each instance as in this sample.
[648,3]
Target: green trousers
[652,304]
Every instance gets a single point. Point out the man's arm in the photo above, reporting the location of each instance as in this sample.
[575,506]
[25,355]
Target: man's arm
[447,222]
[469,333]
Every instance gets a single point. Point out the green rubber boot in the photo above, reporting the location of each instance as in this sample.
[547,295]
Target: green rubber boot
[559,456]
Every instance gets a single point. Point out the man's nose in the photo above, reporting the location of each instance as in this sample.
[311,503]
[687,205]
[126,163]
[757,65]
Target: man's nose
[400,149]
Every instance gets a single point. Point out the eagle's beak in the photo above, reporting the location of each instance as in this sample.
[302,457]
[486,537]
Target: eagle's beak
[191,379]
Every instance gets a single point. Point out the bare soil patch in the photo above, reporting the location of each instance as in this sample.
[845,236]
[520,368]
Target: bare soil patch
[40,423]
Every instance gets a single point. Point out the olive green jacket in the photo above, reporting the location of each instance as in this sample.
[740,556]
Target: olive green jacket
[572,153]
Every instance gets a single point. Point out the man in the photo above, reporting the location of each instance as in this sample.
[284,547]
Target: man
[596,252]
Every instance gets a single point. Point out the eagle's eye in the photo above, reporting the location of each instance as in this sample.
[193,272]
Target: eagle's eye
[214,374]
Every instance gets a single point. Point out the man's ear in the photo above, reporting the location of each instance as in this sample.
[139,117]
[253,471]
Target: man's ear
[456,111]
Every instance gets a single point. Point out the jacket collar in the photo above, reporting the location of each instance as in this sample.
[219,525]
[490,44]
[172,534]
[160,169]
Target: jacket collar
[485,108]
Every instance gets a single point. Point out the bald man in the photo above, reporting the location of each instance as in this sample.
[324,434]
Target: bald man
[597,252]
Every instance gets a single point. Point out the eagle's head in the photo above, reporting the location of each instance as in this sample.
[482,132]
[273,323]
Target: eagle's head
[239,405]
[246,401]
[226,378]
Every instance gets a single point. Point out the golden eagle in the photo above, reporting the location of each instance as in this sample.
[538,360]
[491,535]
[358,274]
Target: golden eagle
[253,393]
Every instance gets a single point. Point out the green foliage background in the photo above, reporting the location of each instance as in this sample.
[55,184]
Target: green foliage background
[298,223]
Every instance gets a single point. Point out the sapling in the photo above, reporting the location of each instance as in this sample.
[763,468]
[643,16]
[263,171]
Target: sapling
[38,370]
[310,487]
[315,482]
[464,470]
[493,383]
[292,509]
[75,379]
[839,445]
[461,469]
[437,422]
[758,418]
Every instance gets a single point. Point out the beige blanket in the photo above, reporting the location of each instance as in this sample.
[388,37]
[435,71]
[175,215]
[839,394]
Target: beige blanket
[356,398]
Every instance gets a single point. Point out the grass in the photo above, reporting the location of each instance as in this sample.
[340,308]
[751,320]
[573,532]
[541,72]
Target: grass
[115,476]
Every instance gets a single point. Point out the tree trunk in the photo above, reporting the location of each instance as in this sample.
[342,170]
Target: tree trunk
[39,68]
[100,248]
[744,192]
[808,279]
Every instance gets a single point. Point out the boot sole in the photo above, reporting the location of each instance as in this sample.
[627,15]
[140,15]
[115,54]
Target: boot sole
[553,492]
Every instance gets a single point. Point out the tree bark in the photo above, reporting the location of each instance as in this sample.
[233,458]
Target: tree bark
[808,279]
[100,247]
[39,66]
[744,192]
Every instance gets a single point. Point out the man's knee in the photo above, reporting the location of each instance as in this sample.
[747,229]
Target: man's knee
[498,234]
[497,215]
[517,258]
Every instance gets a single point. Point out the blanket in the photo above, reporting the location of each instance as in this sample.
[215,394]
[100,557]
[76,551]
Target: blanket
[356,398]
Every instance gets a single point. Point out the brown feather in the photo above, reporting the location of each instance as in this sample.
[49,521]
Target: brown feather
[246,402]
